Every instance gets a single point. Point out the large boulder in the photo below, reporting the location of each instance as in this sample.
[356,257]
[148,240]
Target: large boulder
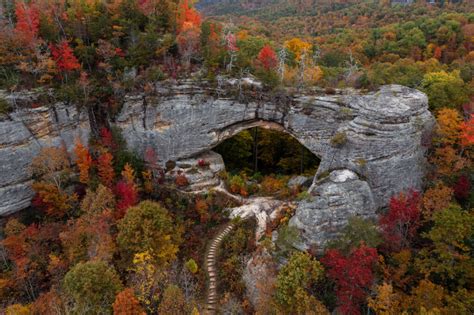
[332,201]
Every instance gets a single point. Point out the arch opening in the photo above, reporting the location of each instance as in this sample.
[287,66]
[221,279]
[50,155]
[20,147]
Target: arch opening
[262,150]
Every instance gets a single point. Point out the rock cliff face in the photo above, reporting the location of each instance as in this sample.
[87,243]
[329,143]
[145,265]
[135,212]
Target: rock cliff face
[374,140]
[22,134]
[370,145]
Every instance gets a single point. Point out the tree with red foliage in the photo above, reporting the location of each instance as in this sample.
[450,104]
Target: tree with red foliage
[467,132]
[400,223]
[268,58]
[64,57]
[353,276]
[462,188]
[105,169]
[107,139]
[27,25]
[127,196]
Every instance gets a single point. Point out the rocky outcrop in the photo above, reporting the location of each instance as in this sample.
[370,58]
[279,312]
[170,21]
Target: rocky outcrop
[200,172]
[333,199]
[22,134]
[376,137]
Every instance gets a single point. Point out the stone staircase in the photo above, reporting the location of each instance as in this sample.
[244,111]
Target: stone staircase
[211,260]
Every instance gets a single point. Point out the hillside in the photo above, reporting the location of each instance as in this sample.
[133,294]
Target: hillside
[238,157]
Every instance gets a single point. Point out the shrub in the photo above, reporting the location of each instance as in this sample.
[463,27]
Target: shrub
[238,185]
[203,163]
[192,266]
[339,139]
[357,231]
[271,185]
[181,180]
[4,106]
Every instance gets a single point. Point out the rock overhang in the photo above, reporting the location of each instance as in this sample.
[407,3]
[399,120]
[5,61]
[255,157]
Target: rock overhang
[383,131]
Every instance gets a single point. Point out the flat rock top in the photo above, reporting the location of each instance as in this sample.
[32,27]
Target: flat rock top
[390,102]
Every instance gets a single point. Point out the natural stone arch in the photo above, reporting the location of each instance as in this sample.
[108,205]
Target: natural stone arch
[382,154]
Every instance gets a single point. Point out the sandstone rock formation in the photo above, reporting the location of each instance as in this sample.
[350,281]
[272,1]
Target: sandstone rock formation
[332,201]
[200,178]
[22,134]
[377,137]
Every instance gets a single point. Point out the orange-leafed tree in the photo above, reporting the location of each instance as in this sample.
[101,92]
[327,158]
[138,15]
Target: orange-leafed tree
[53,201]
[127,304]
[51,168]
[83,161]
[189,32]
[436,199]
[267,58]
[128,174]
[449,126]
[105,169]
[27,25]
[187,14]
[298,47]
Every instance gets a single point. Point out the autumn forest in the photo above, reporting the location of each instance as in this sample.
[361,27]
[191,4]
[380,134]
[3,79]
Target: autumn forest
[111,231]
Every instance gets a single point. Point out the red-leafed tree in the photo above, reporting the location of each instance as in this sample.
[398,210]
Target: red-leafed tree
[353,276]
[462,188]
[127,196]
[267,58]
[400,223]
[27,25]
[467,132]
[107,139]
[64,57]
[105,169]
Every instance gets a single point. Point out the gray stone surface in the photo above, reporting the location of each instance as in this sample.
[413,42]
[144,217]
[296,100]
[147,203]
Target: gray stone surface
[381,132]
[332,201]
[300,181]
[200,178]
[258,271]
[382,136]
[22,134]
[383,129]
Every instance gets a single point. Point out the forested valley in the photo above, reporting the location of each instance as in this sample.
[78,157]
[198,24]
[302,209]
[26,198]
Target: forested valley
[111,231]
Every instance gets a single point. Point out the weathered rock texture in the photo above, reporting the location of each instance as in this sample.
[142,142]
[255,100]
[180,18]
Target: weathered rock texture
[376,136]
[22,134]
[332,201]
[200,178]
